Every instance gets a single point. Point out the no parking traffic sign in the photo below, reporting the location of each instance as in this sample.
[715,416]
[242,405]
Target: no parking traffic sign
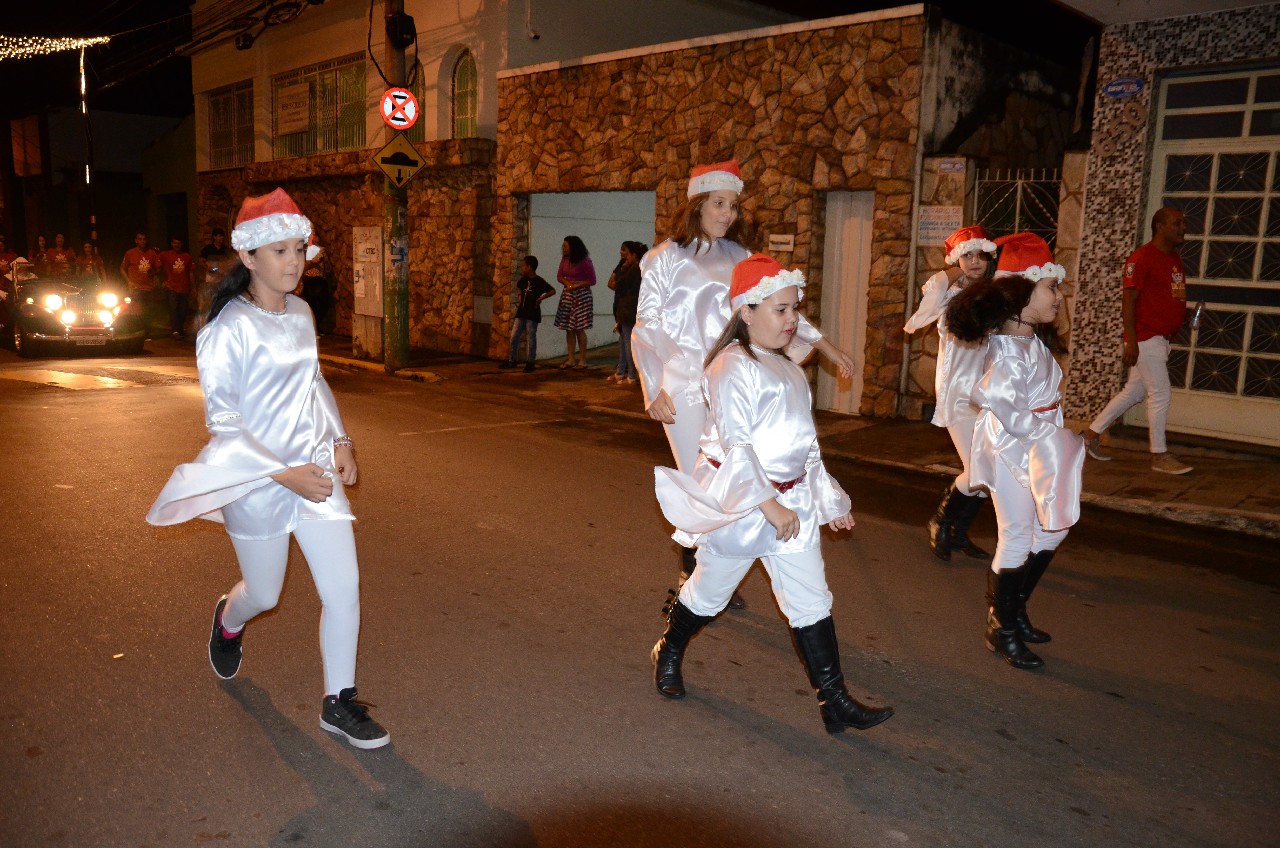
[399,108]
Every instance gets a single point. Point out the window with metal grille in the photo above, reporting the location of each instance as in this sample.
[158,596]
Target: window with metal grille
[231,125]
[320,109]
[1218,160]
[465,124]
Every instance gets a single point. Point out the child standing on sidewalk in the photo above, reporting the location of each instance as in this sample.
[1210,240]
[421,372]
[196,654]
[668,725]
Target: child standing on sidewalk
[959,368]
[759,490]
[277,458]
[1021,453]
[531,290]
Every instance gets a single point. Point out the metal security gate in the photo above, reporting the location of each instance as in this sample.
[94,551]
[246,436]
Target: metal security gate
[1022,200]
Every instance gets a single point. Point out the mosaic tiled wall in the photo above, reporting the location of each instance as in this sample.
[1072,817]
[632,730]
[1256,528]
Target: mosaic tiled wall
[1119,166]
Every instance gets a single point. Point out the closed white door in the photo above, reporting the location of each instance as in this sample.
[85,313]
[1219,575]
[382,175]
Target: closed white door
[846,270]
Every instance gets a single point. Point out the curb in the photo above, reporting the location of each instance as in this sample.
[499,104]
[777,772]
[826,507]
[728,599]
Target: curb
[1261,525]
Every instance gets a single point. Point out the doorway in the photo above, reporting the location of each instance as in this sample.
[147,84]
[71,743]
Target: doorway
[846,270]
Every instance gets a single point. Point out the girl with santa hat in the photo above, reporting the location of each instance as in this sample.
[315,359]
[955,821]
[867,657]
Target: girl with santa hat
[759,490]
[971,253]
[278,456]
[1021,452]
[684,306]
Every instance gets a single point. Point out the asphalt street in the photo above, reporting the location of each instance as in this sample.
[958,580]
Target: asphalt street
[513,562]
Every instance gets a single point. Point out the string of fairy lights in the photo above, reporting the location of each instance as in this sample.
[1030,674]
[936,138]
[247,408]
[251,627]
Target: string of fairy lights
[26,46]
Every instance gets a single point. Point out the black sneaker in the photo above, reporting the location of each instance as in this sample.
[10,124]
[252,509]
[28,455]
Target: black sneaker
[528,367]
[346,716]
[224,653]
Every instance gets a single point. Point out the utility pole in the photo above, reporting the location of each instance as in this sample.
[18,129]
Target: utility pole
[395,283]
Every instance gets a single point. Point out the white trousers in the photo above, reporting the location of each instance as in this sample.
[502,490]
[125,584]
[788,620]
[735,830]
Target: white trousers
[330,550]
[685,435]
[961,432]
[799,583]
[1149,379]
[1020,529]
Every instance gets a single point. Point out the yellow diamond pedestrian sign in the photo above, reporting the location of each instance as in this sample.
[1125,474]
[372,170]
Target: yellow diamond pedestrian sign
[399,160]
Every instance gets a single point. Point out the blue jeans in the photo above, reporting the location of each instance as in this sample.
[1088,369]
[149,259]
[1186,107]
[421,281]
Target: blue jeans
[626,364]
[518,330]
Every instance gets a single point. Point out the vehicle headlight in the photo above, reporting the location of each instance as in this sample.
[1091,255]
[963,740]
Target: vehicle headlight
[53,301]
[106,317]
[108,299]
[68,317]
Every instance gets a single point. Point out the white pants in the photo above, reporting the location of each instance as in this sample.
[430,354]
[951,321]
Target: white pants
[330,549]
[799,583]
[1020,529]
[961,432]
[1149,379]
[685,435]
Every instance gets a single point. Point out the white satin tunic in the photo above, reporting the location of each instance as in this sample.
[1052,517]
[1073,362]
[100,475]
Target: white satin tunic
[960,364]
[1042,455]
[760,430]
[683,308]
[267,408]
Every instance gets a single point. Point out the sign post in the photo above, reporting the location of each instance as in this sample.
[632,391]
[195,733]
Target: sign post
[395,289]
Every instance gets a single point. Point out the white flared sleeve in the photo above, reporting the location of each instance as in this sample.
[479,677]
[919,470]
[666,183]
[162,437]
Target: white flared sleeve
[933,302]
[234,462]
[801,347]
[734,489]
[1056,474]
[830,501]
[651,346]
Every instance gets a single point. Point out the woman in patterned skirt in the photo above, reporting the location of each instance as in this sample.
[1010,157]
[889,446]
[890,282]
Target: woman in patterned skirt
[574,314]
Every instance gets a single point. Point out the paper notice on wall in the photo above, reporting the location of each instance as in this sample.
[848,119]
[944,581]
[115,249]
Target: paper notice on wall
[293,109]
[366,270]
[938,222]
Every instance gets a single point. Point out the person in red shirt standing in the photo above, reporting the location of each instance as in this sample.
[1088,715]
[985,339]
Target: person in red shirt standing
[175,264]
[89,264]
[1155,305]
[60,258]
[139,268]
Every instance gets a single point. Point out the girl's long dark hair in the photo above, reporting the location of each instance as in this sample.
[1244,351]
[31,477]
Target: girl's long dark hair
[233,285]
[689,224]
[982,307]
[577,250]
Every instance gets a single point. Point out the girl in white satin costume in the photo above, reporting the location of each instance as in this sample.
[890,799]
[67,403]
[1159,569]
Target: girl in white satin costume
[1021,452]
[960,366]
[759,490]
[277,458]
[684,306]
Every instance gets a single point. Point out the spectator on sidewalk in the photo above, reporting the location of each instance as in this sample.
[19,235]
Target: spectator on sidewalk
[531,290]
[575,312]
[1154,307]
[317,291]
[175,264]
[625,282]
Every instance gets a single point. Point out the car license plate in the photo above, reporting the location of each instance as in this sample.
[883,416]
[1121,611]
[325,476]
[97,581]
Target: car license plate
[94,340]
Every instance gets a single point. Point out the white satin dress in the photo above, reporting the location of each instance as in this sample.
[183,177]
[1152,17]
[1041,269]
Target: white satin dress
[267,408]
[682,309]
[1030,463]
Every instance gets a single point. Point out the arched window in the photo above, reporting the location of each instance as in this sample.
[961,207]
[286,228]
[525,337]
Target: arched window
[464,96]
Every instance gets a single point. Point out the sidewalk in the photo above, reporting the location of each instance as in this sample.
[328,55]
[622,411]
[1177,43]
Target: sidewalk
[1232,491]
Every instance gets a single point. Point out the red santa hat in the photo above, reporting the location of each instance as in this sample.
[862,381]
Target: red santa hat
[721,175]
[1027,255]
[269,218]
[967,239]
[757,277]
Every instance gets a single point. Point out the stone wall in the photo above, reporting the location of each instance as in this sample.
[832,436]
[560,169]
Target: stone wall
[450,205]
[804,113]
[1119,166]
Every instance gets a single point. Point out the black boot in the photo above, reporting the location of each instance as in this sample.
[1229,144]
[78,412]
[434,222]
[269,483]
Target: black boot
[942,524]
[668,654]
[1031,574]
[820,653]
[688,562]
[1002,619]
[968,508]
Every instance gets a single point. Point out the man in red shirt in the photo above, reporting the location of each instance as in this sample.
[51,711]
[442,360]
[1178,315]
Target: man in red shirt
[60,258]
[1155,305]
[139,268]
[175,264]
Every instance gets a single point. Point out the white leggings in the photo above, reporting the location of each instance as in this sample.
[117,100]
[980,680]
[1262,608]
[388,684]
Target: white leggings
[685,435]
[961,432]
[330,549]
[1020,529]
[799,583]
